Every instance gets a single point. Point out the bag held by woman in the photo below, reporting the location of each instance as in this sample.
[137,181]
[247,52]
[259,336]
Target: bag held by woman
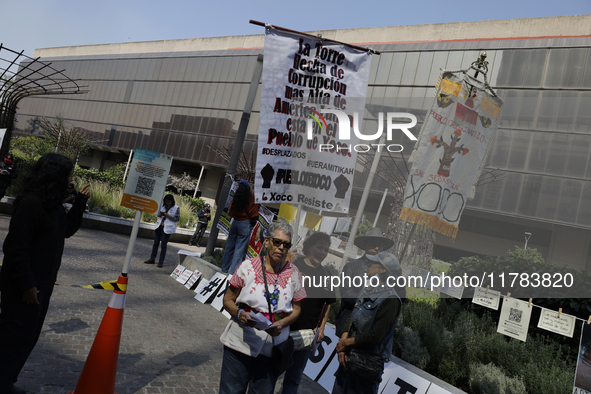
[365,365]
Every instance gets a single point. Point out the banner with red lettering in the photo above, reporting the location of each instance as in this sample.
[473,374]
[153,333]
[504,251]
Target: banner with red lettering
[449,156]
[303,155]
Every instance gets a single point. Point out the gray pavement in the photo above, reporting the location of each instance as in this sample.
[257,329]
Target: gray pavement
[170,341]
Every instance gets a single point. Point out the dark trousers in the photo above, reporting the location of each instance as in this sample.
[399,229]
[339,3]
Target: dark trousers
[199,231]
[160,238]
[240,372]
[20,326]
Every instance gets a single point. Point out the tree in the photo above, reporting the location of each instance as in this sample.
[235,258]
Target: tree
[70,142]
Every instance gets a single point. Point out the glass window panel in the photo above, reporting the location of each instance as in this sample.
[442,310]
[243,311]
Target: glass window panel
[511,190]
[424,68]
[177,73]
[549,196]
[556,67]
[469,58]
[510,111]
[226,63]
[243,96]
[234,95]
[580,146]
[439,62]
[410,68]
[575,67]
[583,118]
[152,63]
[233,68]
[516,71]
[557,155]
[528,105]
[205,64]
[204,93]
[183,68]
[519,147]
[373,70]
[176,94]
[226,95]
[454,60]
[403,99]
[530,194]
[142,69]
[132,68]
[539,152]
[197,87]
[213,87]
[547,110]
[119,69]
[584,214]
[183,93]
[193,66]
[569,201]
[586,78]
[242,65]
[390,96]
[219,95]
[385,64]
[535,68]
[395,75]
[211,69]
[494,59]
[567,107]
[492,195]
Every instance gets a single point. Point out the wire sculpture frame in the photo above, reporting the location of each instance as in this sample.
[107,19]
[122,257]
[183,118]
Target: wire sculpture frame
[23,76]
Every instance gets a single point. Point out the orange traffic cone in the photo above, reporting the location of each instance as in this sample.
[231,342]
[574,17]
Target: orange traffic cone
[98,374]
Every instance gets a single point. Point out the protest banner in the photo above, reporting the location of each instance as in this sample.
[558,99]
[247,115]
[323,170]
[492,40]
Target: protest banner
[259,231]
[449,156]
[307,86]
[225,219]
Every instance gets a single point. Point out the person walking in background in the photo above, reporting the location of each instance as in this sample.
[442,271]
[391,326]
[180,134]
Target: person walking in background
[369,332]
[315,308]
[168,216]
[8,172]
[204,216]
[245,214]
[32,257]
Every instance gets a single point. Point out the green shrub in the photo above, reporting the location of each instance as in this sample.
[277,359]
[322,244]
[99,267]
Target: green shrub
[490,379]
[411,349]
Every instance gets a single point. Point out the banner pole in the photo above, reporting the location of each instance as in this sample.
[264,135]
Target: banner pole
[236,151]
[131,244]
[380,208]
[361,207]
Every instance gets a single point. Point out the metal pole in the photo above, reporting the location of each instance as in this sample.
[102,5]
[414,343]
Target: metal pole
[236,151]
[380,208]
[127,166]
[198,181]
[131,245]
[372,172]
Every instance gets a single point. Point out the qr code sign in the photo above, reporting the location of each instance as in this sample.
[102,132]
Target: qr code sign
[515,315]
[145,186]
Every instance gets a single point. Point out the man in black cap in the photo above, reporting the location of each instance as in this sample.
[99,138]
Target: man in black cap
[8,172]
[204,216]
[373,242]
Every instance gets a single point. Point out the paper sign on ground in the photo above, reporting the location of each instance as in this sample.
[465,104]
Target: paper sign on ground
[563,325]
[193,279]
[514,319]
[208,292]
[177,271]
[488,298]
[184,277]
[199,296]
[404,381]
[218,300]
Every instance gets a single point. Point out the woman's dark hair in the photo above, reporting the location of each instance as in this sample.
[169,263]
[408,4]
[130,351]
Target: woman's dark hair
[48,179]
[313,239]
[169,197]
[241,199]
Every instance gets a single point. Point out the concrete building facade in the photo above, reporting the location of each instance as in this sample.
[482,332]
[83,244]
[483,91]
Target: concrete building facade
[183,97]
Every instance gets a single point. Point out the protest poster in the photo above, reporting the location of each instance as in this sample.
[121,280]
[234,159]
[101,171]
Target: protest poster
[146,181]
[218,300]
[193,279]
[557,322]
[259,231]
[184,276]
[177,271]
[514,319]
[304,153]
[486,297]
[450,153]
[208,291]
[582,383]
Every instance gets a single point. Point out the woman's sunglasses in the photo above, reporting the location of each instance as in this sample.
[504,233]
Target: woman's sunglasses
[277,242]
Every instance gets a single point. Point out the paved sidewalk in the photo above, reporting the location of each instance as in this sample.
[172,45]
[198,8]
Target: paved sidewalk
[170,342]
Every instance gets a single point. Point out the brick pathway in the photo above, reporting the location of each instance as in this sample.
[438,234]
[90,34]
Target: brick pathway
[170,342]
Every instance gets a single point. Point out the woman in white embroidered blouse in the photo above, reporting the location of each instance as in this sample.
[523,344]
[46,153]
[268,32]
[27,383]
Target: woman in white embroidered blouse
[247,350]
